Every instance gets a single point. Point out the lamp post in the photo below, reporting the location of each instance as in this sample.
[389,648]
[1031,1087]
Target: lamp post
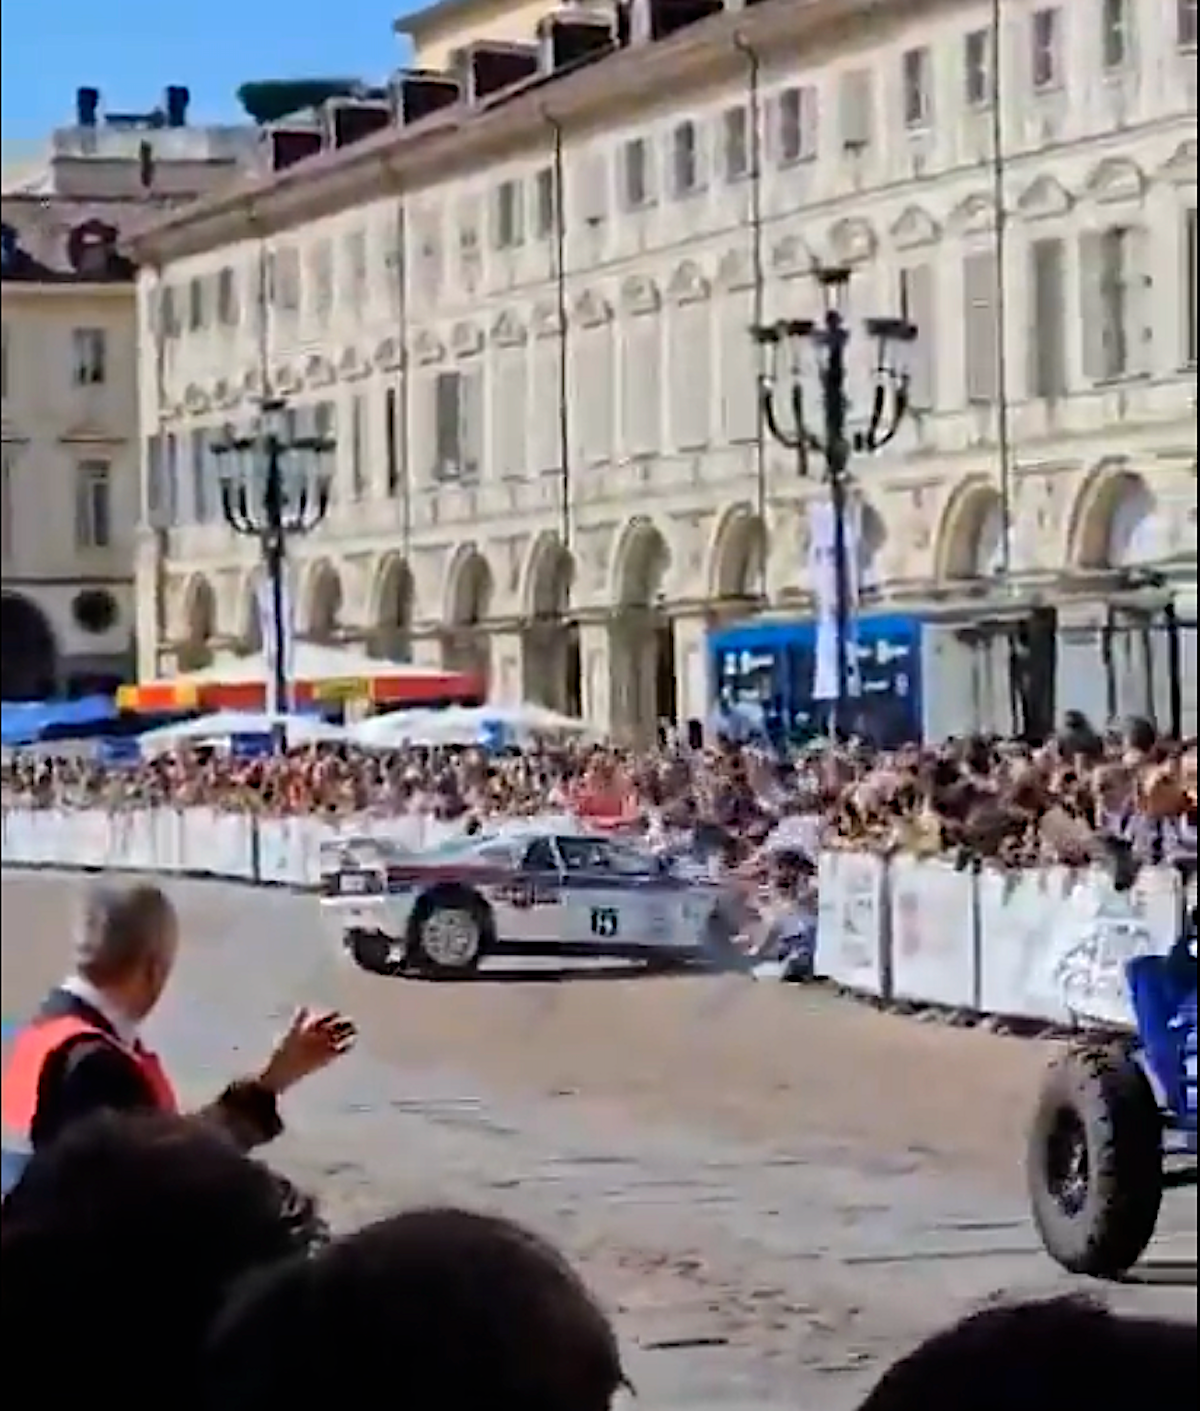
[260,501]
[829,339]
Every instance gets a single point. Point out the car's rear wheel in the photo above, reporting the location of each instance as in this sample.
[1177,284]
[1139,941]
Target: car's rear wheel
[451,933]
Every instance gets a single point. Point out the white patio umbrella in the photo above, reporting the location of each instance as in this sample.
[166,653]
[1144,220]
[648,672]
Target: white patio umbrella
[222,726]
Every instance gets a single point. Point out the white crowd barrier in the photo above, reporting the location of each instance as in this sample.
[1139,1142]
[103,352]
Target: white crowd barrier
[1045,944]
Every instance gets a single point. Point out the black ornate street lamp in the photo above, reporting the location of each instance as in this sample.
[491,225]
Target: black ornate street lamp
[260,501]
[829,339]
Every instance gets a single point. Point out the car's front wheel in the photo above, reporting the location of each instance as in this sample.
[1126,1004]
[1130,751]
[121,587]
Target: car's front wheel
[1095,1162]
[451,933]
[376,952]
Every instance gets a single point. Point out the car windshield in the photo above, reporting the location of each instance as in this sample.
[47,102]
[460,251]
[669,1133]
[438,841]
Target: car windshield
[602,855]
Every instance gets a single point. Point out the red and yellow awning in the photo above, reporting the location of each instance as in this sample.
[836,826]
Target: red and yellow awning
[393,687]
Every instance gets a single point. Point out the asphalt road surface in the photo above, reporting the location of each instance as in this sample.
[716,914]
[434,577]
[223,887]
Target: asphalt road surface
[776,1191]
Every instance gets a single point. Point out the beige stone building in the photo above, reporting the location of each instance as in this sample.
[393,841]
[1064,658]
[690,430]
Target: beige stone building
[69,380]
[522,305]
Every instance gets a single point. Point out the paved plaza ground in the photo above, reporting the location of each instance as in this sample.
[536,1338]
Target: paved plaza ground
[775,1190]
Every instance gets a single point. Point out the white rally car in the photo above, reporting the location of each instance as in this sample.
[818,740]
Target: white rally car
[526,888]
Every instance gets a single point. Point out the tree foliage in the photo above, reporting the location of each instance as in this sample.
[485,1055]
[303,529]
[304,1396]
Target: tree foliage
[270,100]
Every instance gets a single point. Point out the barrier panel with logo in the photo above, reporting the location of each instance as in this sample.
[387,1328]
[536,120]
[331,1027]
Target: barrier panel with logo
[1046,944]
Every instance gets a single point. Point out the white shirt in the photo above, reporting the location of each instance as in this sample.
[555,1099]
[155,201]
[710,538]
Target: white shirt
[124,1027]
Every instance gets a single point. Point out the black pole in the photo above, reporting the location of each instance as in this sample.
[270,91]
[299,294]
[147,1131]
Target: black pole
[275,557]
[837,459]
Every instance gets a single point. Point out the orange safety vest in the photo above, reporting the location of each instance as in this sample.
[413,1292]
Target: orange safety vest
[34,1046]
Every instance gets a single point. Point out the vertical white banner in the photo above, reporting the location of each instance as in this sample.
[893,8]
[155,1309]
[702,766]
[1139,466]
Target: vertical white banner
[266,620]
[822,568]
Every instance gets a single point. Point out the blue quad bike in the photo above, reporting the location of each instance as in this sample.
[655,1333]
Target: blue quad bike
[1115,1125]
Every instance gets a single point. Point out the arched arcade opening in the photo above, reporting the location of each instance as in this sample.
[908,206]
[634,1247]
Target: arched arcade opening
[551,667]
[28,651]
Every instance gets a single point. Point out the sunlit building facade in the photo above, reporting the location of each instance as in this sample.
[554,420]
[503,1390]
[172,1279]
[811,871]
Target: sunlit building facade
[519,291]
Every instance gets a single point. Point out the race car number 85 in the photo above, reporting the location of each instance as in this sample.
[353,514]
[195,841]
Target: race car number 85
[604,922]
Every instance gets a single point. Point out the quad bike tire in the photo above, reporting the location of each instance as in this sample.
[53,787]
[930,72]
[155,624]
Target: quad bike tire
[429,959]
[1095,1162]
[372,952]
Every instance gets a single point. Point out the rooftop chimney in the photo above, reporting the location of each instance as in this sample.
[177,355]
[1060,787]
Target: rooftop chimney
[288,145]
[416,93]
[651,20]
[175,104]
[349,120]
[87,105]
[566,40]
[488,67]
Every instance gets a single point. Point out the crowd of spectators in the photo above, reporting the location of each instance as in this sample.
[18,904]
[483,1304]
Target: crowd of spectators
[166,1256]
[993,799]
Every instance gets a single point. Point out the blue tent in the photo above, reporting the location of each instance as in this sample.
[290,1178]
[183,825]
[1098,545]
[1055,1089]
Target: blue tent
[25,722]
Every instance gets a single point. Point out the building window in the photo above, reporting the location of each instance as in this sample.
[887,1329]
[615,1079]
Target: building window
[856,110]
[1115,335]
[93,509]
[797,133]
[285,282]
[508,216]
[195,304]
[685,159]
[980,328]
[635,174]
[1116,19]
[735,143]
[1047,345]
[354,269]
[1045,40]
[545,204]
[227,307]
[1185,24]
[358,467]
[458,403]
[917,67]
[320,278]
[977,68]
[89,349]
[391,440]
[1191,284]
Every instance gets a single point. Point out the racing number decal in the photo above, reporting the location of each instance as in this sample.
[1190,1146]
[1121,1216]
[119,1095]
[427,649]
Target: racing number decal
[604,922]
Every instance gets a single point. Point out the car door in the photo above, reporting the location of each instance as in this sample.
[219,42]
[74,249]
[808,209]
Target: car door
[530,907]
[605,903]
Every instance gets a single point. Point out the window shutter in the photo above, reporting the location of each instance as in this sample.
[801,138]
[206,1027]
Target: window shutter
[979,326]
[1046,349]
[543,405]
[471,430]
[447,392]
[1139,286]
[509,412]
[1092,305]
[855,109]
[920,309]
[739,356]
[690,358]
[592,364]
[641,386]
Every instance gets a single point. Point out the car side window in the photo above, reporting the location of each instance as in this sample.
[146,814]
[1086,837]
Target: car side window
[540,856]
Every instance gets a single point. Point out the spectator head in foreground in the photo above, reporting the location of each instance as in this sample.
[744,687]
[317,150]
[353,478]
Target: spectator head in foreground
[123,1237]
[1054,1354]
[449,1310]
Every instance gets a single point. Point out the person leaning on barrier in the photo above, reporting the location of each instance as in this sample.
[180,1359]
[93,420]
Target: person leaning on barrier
[81,1053]
[446,1309]
[121,1242]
